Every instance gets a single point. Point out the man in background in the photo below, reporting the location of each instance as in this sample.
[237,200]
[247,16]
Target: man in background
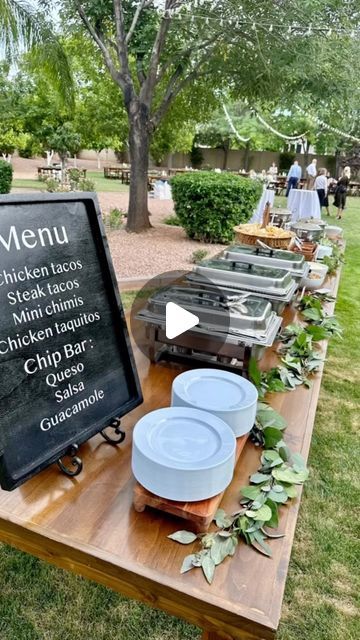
[293,177]
[311,173]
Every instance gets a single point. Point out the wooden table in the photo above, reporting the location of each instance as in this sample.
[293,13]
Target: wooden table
[89,526]
[53,171]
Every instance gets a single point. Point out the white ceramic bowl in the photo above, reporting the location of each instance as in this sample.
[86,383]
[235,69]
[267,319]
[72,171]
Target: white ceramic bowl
[317,270]
[333,232]
[226,395]
[322,251]
[183,454]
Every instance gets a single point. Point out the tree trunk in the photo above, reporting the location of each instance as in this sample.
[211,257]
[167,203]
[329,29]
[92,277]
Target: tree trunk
[49,157]
[139,143]
[98,159]
[75,160]
[63,159]
[246,159]
[226,148]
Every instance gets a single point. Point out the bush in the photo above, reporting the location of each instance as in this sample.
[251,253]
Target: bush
[198,256]
[209,205]
[86,185]
[172,221]
[6,173]
[116,218]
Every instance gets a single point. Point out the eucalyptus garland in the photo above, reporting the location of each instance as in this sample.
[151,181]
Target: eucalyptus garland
[274,483]
[334,261]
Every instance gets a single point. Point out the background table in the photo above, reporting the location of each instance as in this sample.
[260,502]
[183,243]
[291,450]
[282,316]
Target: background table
[268,195]
[303,204]
[88,525]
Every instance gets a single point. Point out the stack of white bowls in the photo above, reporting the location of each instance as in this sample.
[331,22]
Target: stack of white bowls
[186,452]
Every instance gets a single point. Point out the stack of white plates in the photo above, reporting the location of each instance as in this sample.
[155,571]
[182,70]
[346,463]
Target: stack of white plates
[183,454]
[225,395]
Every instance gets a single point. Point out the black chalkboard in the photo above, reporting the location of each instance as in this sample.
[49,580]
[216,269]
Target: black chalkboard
[66,366]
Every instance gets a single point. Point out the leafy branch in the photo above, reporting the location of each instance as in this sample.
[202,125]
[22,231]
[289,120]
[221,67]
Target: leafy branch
[275,481]
[273,485]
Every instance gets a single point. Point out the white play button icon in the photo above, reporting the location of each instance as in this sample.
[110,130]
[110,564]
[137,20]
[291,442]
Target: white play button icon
[178,320]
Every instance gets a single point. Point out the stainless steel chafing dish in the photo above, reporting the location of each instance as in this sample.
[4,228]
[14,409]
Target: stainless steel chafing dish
[308,231]
[276,285]
[294,263]
[233,326]
[279,217]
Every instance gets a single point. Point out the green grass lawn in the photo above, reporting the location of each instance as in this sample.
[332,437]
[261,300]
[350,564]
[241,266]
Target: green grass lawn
[101,183]
[39,602]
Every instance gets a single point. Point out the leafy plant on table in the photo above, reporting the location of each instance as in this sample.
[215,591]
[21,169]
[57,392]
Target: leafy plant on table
[336,259]
[273,485]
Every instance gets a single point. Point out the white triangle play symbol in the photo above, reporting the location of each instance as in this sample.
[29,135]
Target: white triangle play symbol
[178,320]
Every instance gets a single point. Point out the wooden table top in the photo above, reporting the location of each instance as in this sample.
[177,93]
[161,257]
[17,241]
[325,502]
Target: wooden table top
[88,525]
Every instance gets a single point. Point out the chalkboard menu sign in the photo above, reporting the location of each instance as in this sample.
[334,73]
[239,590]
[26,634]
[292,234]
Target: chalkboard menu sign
[66,366]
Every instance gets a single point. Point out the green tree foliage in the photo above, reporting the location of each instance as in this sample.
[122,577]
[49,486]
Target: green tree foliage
[23,25]
[6,173]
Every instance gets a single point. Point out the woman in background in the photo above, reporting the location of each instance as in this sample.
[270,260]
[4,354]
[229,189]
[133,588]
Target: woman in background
[340,192]
[321,186]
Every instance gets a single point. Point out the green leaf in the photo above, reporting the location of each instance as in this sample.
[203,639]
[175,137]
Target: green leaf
[258,478]
[264,513]
[187,564]
[222,519]
[184,537]
[272,436]
[263,547]
[250,492]
[230,545]
[278,497]
[218,551]
[270,534]
[298,461]
[312,314]
[278,488]
[274,520]
[291,491]
[254,372]
[289,476]
[268,417]
[208,567]
[317,333]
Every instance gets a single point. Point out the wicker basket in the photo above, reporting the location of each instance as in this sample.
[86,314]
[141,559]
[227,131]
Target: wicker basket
[271,241]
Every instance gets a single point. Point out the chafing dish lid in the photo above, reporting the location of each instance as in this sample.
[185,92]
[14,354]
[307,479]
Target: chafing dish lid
[306,226]
[243,312]
[259,255]
[248,275]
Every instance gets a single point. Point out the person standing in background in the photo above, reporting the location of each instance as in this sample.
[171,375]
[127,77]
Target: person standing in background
[341,191]
[321,186]
[293,177]
[311,174]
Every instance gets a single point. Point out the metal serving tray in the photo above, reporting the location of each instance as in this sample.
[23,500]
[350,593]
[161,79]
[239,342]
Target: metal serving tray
[295,263]
[243,312]
[245,275]
[278,302]
[233,337]
[240,316]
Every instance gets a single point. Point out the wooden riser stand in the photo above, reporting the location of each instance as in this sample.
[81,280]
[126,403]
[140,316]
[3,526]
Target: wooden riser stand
[200,514]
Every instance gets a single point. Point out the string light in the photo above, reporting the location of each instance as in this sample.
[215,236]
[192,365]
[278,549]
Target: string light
[323,124]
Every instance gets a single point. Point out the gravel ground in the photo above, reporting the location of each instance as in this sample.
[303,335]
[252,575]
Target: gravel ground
[162,248]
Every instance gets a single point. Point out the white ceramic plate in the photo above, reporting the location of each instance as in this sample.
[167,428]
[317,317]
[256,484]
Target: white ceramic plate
[183,454]
[227,395]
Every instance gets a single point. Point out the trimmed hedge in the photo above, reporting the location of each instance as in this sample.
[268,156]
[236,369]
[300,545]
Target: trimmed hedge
[6,173]
[210,204]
